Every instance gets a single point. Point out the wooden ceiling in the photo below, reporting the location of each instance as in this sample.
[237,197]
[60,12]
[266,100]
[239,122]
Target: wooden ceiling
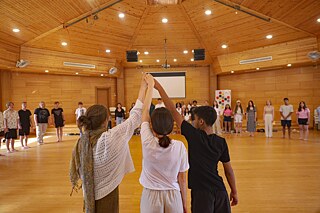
[42,22]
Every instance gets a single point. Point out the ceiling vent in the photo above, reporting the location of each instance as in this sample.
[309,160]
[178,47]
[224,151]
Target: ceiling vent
[255,60]
[72,64]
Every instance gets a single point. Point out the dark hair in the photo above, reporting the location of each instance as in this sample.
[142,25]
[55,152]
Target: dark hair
[159,99]
[178,105]
[80,103]
[206,113]
[195,101]
[94,117]
[225,107]
[236,109]
[248,108]
[9,103]
[162,124]
[286,99]
[56,102]
[304,106]
[185,111]
[217,105]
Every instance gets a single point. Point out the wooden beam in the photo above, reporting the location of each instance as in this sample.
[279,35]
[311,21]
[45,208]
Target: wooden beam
[195,31]
[234,5]
[74,20]
[138,28]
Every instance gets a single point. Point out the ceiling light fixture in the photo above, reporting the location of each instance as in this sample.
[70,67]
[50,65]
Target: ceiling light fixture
[16,30]
[318,20]
[257,68]
[158,60]
[46,71]
[101,75]
[164,20]
[121,15]
[185,51]
[269,36]
[64,43]
[175,60]
[77,73]
[289,65]
[191,59]
[140,61]
[146,53]
[208,12]
[224,46]
[108,51]
[232,71]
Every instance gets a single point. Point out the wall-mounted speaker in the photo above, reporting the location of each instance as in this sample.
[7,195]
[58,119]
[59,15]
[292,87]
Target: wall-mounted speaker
[199,54]
[132,56]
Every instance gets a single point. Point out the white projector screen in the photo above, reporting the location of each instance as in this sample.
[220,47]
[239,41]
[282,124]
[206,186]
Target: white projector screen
[174,83]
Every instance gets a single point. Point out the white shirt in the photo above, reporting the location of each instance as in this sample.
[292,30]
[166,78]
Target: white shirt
[218,111]
[187,117]
[1,123]
[111,154]
[179,111]
[286,109]
[159,105]
[161,166]
[12,118]
[80,111]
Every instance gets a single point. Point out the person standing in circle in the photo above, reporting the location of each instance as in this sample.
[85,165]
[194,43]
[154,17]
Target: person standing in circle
[119,114]
[25,124]
[217,125]
[268,118]
[58,120]
[11,124]
[303,119]
[285,111]
[41,120]
[79,112]
[238,115]
[251,116]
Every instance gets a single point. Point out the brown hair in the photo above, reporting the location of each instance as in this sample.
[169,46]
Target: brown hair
[162,124]
[94,117]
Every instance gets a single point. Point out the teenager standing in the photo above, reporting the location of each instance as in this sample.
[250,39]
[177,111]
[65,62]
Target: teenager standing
[251,116]
[238,115]
[25,124]
[58,120]
[303,119]
[41,120]
[119,114]
[11,124]
[268,118]
[79,112]
[285,111]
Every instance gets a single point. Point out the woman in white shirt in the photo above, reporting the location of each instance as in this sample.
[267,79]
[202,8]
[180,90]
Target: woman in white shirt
[187,115]
[102,157]
[217,125]
[238,115]
[268,117]
[165,162]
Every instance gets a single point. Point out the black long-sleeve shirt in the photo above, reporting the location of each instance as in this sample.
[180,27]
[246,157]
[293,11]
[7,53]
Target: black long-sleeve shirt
[120,114]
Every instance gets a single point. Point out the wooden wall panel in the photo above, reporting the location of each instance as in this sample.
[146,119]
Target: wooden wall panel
[197,83]
[68,90]
[9,55]
[298,84]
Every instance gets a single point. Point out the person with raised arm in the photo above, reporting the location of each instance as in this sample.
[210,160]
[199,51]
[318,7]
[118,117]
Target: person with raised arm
[208,192]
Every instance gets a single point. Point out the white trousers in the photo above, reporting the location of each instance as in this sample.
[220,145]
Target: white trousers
[41,129]
[268,125]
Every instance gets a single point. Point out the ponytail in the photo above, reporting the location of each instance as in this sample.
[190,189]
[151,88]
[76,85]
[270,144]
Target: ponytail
[164,141]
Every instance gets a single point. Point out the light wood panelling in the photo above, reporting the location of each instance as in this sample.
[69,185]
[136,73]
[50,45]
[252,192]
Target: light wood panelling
[41,60]
[298,84]
[197,83]
[9,54]
[301,14]
[294,52]
[68,90]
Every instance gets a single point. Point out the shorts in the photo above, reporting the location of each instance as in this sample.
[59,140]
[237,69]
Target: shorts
[227,119]
[24,131]
[11,134]
[58,124]
[238,118]
[303,121]
[210,201]
[1,134]
[286,123]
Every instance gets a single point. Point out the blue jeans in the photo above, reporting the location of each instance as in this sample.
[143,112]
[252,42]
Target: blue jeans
[119,120]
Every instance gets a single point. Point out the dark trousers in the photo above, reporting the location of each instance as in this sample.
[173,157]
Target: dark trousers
[209,202]
[108,204]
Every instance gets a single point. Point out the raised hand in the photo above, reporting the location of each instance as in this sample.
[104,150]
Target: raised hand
[150,80]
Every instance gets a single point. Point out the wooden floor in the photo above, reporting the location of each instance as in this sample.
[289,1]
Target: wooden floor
[273,175]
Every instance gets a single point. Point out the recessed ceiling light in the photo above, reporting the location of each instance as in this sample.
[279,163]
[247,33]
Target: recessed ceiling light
[191,59]
[224,46]
[121,15]
[175,60]
[64,43]
[164,20]
[185,51]
[208,12]
[77,73]
[146,53]
[101,75]
[108,51]
[192,51]
[138,53]
[16,30]
[158,60]
[46,70]
[140,61]
[289,65]
[236,12]
[269,36]
[257,68]
[232,71]
[318,20]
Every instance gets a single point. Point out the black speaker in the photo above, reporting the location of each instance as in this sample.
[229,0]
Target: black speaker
[132,56]
[199,54]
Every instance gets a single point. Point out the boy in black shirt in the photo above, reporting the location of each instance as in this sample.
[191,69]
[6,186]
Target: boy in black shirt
[25,124]
[58,120]
[205,149]
[41,120]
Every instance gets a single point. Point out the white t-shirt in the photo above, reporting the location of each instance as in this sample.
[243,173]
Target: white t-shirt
[218,111]
[286,109]
[80,111]
[161,166]
[179,111]
[187,117]
[159,105]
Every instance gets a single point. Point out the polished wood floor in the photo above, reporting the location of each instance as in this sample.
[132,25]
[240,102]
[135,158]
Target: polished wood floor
[273,175]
